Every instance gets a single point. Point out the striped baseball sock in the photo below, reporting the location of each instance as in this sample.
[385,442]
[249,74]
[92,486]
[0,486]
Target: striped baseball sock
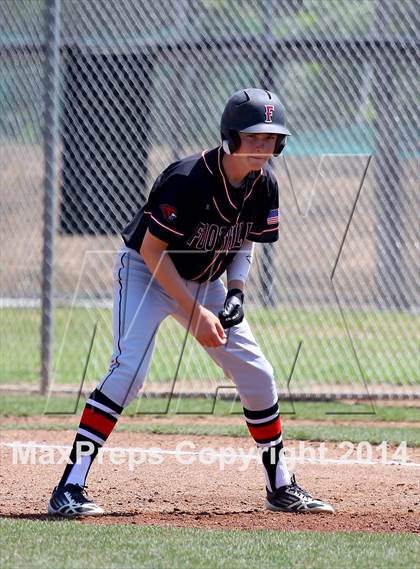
[98,420]
[265,429]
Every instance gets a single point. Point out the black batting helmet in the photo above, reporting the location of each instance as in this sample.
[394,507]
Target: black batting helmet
[253,111]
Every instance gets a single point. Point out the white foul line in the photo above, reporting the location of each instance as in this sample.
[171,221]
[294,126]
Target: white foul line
[157,451]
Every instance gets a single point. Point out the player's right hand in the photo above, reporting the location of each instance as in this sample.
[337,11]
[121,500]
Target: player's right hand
[207,329]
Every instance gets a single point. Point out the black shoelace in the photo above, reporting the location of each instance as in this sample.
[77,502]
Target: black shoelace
[297,488]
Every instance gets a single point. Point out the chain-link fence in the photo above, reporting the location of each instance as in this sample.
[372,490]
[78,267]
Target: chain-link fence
[98,97]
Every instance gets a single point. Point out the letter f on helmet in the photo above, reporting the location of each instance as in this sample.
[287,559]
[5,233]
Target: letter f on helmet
[269,113]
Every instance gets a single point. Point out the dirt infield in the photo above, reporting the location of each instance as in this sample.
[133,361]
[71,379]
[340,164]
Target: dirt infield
[163,490]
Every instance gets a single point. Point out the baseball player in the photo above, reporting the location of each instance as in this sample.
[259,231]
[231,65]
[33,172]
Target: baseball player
[202,218]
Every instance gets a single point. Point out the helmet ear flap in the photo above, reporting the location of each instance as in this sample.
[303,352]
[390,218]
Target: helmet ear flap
[280,144]
[225,146]
[231,142]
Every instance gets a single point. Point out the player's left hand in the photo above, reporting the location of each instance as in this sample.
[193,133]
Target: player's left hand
[233,312]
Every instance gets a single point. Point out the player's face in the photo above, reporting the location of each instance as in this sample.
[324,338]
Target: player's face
[256,149]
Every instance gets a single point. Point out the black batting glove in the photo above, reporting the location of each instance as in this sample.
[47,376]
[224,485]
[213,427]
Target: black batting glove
[233,312]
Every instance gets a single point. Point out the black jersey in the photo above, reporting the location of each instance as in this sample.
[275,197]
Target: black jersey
[203,218]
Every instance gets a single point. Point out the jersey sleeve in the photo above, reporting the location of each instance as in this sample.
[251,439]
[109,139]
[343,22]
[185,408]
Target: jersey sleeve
[265,229]
[167,210]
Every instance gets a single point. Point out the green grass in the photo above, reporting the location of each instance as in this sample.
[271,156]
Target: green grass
[30,406]
[386,343]
[69,545]
[374,435]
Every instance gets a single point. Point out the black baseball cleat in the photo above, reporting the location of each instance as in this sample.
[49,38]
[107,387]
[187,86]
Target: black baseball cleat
[70,501]
[292,498]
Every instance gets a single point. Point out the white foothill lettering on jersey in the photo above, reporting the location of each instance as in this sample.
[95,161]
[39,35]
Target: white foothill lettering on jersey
[210,236]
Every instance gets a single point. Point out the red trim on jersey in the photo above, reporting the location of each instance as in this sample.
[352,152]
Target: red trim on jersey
[167,228]
[205,162]
[252,187]
[224,180]
[265,231]
[218,267]
[220,213]
[207,268]
[97,421]
[271,431]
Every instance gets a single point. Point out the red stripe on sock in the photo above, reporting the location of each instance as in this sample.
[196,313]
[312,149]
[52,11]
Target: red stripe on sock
[265,431]
[97,422]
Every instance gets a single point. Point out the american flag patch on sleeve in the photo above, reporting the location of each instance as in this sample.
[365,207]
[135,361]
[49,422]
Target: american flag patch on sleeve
[273,216]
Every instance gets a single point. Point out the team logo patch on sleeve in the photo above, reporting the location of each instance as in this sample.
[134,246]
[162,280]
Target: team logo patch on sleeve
[169,212]
[273,216]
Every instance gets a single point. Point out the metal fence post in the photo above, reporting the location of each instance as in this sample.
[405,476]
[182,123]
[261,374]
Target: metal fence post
[390,275]
[51,134]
